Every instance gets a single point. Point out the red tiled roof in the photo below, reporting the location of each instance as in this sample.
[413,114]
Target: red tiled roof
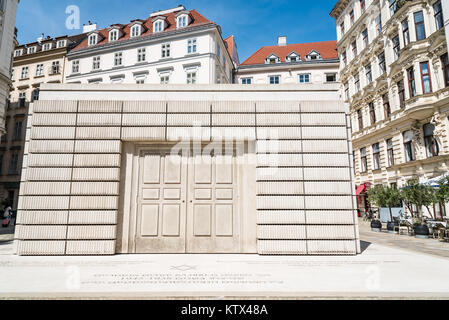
[327,49]
[197,19]
[230,41]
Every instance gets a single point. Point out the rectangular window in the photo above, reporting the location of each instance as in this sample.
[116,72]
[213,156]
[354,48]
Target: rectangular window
[357,83]
[14,163]
[304,78]
[246,80]
[55,67]
[165,79]
[18,130]
[75,66]
[445,63]
[419,25]
[431,144]
[46,47]
[118,58]
[393,7]
[408,146]
[12,74]
[401,93]
[365,37]
[376,156]
[24,73]
[362,6]
[342,29]
[346,91]
[386,104]
[360,118]
[96,63]
[426,79]
[39,70]
[354,49]
[351,17]
[438,15]
[344,58]
[331,77]
[390,152]
[382,64]
[369,75]
[218,50]
[363,160]
[165,50]
[60,43]
[411,81]
[405,32]
[379,24]
[191,77]
[22,100]
[274,79]
[191,46]
[141,55]
[396,47]
[372,113]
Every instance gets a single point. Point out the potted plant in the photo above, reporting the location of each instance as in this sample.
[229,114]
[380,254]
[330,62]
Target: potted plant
[442,193]
[383,196]
[421,196]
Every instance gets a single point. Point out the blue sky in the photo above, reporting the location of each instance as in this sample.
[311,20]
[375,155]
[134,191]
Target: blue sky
[254,23]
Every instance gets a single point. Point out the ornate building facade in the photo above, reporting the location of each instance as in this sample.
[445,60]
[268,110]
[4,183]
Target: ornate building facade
[394,70]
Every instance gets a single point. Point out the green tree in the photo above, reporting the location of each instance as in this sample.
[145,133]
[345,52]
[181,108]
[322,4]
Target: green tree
[419,195]
[385,197]
[442,193]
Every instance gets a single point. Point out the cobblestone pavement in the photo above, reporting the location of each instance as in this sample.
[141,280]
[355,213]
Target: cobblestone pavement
[426,246]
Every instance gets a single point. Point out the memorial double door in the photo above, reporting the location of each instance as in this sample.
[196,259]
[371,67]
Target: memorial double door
[187,203]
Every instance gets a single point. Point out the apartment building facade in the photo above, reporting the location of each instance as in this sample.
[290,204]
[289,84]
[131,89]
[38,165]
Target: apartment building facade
[394,72]
[34,63]
[307,63]
[175,46]
[8,10]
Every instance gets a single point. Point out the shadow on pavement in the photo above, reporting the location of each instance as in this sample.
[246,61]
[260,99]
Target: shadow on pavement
[364,245]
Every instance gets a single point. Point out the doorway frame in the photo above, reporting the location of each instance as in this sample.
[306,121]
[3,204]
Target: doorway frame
[129,183]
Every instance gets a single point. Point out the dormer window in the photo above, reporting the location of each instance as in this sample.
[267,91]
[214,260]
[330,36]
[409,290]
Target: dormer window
[158,26]
[46,46]
[93,39]
[182,21]
[293,57]
[31,50]
[272,59]
[18,53]
[113,35]
[135,31]
[313,55]
[61,43]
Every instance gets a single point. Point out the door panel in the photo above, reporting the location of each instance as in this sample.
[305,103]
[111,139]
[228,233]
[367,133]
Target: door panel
[161,210]
[212,216]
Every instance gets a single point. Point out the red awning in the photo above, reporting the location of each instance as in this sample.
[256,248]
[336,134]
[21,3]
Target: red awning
[360,189]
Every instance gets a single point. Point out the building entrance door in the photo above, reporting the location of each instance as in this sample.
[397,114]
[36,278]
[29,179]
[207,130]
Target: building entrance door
[187,203]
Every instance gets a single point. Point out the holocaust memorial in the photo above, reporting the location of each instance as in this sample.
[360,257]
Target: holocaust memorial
[132,169]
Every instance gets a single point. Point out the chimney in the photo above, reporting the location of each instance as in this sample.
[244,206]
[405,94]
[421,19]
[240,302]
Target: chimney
[90,27]
[282,41]
[39,40]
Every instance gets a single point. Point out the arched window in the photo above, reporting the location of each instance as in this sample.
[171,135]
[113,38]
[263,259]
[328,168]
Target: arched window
[158,26]
[135,31]
[93,39]
[182,21]
[113,35]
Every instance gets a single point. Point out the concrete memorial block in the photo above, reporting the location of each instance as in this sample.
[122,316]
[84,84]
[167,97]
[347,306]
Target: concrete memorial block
[278,217]
[42,217]
[90,248]
[49,160]
[41,248]
[96,160]
[98,133]
[92,217]
[106,177]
